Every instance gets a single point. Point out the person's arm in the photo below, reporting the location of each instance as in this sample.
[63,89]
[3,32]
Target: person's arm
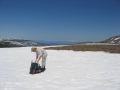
[39,59]
[36,59]
[39,56]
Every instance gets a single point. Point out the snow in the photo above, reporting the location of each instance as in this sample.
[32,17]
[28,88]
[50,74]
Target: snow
[114,40]
[117,38]
[66,70]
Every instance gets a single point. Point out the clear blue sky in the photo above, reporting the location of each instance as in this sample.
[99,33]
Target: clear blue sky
[82,20]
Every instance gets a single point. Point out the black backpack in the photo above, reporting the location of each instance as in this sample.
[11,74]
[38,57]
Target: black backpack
[35,68]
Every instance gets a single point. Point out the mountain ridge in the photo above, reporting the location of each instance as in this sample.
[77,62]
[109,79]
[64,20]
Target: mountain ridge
[20,42]
[112,40]
[9,42]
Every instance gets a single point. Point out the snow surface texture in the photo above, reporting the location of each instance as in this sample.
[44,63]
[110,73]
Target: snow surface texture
[66,70]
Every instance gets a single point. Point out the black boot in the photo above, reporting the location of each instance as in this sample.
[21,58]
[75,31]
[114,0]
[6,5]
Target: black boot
[43,69]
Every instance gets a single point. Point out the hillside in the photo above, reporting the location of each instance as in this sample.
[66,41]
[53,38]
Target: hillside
[83,47]
[112,40]
[17,43]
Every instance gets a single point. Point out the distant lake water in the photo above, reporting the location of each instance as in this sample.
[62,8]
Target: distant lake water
[59,42]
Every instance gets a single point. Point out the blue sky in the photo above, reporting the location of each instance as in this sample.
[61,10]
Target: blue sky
[59,20]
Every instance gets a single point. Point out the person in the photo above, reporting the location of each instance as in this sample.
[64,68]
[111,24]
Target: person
[40,53]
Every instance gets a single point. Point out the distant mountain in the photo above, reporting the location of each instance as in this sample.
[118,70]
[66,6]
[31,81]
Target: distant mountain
[112,40]
[8,42]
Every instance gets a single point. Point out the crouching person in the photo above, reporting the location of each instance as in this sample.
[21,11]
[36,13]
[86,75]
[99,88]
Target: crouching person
[40,54]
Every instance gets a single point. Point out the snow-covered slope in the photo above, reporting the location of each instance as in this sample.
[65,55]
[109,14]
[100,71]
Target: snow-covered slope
[18,42]
[66,70]
[113,40]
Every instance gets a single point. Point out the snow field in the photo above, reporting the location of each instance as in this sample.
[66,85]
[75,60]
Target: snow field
[66,70]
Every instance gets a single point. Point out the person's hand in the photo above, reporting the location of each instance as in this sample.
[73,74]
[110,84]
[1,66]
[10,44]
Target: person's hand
[36,61]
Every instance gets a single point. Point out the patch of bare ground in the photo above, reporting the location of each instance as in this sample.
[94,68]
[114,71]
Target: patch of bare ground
[81,47]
